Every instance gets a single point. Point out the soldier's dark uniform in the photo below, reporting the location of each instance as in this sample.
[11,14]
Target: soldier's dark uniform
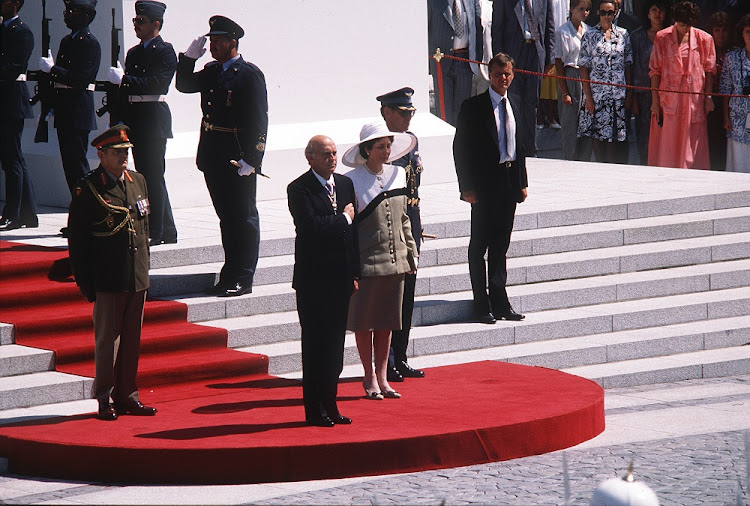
[73,77]
[412,164]
[233,127]
[109,252]
[148,72]
[16,45]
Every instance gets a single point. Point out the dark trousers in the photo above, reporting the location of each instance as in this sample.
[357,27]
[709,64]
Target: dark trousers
[20,200]
[74,144]
[322,310]
[118,318]
[400,338]
[643,124]
[233,197]
[528,87]
[457,76]
[148,156]
[491,226]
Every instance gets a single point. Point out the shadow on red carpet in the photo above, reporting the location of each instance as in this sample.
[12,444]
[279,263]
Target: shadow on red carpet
[226,424]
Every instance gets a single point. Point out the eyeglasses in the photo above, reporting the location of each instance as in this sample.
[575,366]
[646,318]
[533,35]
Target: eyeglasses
[606,13]
[140,20]
[404,113]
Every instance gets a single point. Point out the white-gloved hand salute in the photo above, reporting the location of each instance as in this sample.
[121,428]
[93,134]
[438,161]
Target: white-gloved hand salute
[197,48]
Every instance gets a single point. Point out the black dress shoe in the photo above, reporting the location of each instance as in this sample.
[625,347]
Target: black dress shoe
[394,375]
[320,421]
[134,408]
[156,242]
[106,412]
[408,371]
[235,289]
[510,314]
[64,232]
[8,224]
[30,222]
[487,318]
[341,420]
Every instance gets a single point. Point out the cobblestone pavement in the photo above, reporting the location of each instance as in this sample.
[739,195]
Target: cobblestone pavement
[690,470]
[708,467]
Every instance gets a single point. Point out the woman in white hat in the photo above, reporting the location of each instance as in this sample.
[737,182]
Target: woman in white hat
[387,248]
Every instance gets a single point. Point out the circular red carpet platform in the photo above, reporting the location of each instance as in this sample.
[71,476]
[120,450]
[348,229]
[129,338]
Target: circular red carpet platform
[251,430]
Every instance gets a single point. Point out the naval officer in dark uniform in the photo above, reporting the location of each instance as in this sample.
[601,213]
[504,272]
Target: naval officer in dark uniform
[16,44]
[108,244]
[397,110]
[73,74]
[233,139]
[149,68]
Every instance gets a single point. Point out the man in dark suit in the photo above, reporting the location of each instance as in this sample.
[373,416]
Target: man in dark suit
[490,152]
[326,270]
[455,27]
[108,244]
[16,44]
[230,151]
[525,30]
[73,74]
[149,68]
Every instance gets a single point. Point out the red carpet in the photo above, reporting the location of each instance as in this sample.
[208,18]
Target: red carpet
[248,429]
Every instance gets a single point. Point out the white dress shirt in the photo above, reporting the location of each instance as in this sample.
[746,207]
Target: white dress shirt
[509,129]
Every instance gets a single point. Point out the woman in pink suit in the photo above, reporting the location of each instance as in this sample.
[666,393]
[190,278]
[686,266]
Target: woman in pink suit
[683,58]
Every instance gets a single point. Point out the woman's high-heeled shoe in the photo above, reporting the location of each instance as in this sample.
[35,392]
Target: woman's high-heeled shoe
[373,395]
[391,394]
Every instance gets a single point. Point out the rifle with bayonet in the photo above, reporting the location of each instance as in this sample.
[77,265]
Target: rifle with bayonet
[43,89]
[112,102]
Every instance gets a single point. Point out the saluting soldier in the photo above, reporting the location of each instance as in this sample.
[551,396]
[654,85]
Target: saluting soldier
[73,74]
[108,244]
[149,68]
[397,110]
[16,44]
[232,142]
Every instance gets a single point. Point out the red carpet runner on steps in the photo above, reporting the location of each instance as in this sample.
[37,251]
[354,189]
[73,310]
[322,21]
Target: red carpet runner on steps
[222,419]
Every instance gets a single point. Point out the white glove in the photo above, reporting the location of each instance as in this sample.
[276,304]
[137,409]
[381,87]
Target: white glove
[115,74]
[46,62]
[196,49]
[245,168]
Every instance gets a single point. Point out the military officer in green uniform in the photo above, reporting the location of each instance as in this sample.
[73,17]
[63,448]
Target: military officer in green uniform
[108,244]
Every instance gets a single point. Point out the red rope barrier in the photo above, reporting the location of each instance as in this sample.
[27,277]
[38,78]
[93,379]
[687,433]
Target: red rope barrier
[438,55]
[441,91]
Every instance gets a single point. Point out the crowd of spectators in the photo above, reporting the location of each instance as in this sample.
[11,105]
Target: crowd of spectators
[680,53]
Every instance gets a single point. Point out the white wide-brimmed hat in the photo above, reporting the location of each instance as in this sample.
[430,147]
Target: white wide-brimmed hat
[402,143]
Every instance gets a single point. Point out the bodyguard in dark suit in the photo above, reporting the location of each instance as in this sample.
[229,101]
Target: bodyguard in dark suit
[73,74]
[231,147]
[144,83]
[326,270]
[455,27]
[16,44]
[490,152]
[108,244]
[397,110]
[527,36]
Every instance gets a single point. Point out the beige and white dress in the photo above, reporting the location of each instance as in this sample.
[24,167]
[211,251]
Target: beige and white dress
[387,249]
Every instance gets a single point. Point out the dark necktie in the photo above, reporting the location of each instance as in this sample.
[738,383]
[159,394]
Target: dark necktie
[502,137]
[531,20]
[458,24]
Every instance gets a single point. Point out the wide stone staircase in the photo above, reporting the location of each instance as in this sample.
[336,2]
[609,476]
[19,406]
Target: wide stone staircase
[646,291]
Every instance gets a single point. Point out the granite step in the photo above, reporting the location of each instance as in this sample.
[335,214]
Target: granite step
[16,360]
[470,342]
[186,283]
[42,388]
[277,335]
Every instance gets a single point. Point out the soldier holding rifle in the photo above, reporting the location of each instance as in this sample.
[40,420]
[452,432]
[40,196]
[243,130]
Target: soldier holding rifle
[16,44]
[143,86]
[73,73]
